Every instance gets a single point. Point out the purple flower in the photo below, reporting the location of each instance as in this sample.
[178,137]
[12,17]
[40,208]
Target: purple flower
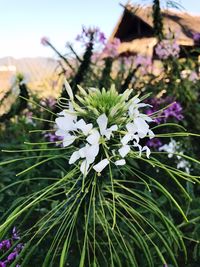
[19,247]
[48,102]
[167,48]
[51,137]
[45,41]
[102,37]
[174,110]
[154,143]
[12,256]
[5,244]
[111,48]
[144,63]
[196,37]
[91,33]
[193,76]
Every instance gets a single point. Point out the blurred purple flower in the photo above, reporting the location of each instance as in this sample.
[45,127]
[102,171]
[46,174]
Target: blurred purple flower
[48,102]
[173,111]
[88,33]
[154,143]
[144,63]
[196,37]
[5,244]
[12,256]
[45,41]
[167,48]
[193,77]
[111,48]
[51,137]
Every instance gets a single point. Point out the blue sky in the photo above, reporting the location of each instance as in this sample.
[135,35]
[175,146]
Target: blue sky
[24,22]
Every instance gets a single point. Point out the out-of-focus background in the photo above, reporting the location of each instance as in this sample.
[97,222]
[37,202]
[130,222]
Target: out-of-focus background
[24,23]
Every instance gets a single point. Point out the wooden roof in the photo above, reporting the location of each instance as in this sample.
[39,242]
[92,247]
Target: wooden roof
[181,23]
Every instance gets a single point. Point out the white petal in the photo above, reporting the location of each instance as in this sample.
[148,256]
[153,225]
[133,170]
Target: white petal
[131,128]
[85,128]
[113,128]
[94,137]
[102,122]
[84,167]
[139,147]
[74,157]
[136,137]
[69,90]
[66,123]
[120,162]
[60,132]
[101,165]
[123,151]
[142,127]
[68,140]
[92,152]
[151,134]
[133,112]
[83,151]
[127,137]
[148,151]
[141,105]
[109,131]
[136,100]
[146,118]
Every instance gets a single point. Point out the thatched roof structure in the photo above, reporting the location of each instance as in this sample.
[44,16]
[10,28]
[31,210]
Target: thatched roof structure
[135,29]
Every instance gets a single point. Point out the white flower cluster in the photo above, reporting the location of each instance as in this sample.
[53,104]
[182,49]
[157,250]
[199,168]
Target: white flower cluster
[97,138]
[172,148]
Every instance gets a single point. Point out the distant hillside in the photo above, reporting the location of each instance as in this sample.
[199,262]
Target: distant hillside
[41,74]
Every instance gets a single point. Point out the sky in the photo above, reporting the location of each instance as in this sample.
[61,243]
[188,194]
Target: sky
[24,22]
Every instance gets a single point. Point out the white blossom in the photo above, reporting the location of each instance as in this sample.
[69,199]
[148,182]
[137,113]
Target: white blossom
[94,135]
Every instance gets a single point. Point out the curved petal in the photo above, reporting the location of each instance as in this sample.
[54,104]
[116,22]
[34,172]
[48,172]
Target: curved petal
[127,137]
[68,89]
[66,123]
[94,137]
[142,127]
[84,167]
[109,131]
[131,128]
[123,151]
[74,157]
[101,165]
[151,134]
[148,151]
[92,152]
[68,139]
[85,128]
[102,122]
[120,162]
